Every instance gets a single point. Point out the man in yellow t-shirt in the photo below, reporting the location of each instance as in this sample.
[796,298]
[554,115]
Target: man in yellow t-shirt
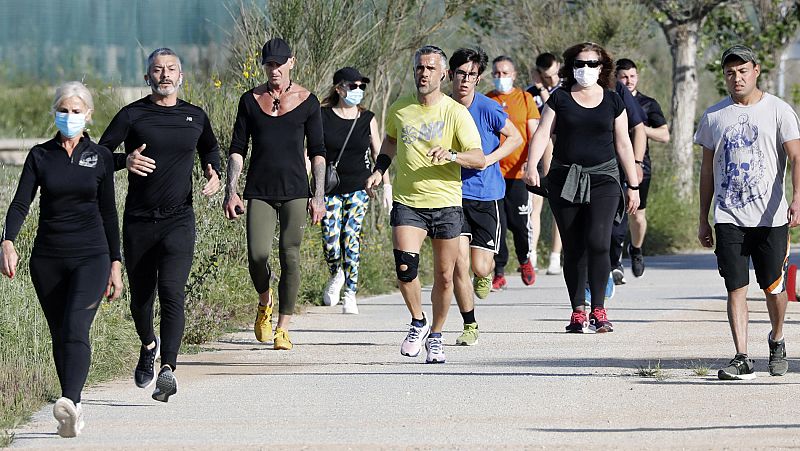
[514,215]
[433,137]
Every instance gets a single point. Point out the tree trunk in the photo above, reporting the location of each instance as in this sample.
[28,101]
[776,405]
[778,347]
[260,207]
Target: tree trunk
[682,38]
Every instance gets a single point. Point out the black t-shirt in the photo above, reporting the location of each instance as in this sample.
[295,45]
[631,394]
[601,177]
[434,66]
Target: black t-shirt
[655,117]
[354,166]
[584,136]
[277,168]
[172,133]
[77,210]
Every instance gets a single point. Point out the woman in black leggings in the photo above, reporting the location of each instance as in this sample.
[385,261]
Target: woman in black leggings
[76,254]
[589,125]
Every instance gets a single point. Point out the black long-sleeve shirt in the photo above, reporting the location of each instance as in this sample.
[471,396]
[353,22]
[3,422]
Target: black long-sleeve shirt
[77,206]
[172,133]
[277,168]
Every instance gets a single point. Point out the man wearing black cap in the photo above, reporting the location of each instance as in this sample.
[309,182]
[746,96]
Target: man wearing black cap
[746,139]
[283,120]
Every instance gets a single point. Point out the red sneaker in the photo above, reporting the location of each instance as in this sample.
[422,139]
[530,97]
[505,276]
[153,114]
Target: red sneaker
[599,322]
[499,282]
[578,323]
[528,273]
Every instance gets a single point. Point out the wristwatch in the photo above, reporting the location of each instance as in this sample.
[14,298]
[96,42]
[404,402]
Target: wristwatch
[453,156]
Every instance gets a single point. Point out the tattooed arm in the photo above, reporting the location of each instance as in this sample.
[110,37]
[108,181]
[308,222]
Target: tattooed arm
[233,205]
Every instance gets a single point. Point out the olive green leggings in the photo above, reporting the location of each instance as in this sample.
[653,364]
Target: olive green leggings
[262,217]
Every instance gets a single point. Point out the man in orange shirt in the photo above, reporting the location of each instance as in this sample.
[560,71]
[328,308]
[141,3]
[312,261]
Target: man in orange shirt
[521,109]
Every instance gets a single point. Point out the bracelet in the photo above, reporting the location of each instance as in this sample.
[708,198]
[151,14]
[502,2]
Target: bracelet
[639,162]
[542,88]
[635,188]
[382,163]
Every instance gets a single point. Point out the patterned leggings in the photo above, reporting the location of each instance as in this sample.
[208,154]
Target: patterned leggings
[341,233]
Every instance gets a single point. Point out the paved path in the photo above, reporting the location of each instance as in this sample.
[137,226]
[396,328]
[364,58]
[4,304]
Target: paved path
[526,384]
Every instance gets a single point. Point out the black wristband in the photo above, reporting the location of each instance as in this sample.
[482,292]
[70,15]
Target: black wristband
[635,188]
[639,162]
[382,163]
[542,88]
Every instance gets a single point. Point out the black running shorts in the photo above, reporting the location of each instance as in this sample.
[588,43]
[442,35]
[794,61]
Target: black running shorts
[441,223]
[767,246]
[482,224]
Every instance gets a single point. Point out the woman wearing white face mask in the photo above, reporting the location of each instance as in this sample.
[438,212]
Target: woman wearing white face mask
[76,254]
[590,125]
[351,136]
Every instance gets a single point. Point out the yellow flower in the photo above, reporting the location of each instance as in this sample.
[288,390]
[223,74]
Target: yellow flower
[217,83]
[246,74]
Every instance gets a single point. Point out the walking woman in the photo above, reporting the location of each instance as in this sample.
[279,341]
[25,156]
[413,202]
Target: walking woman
[283,119]
[351,136]
[76,253]
[591,142]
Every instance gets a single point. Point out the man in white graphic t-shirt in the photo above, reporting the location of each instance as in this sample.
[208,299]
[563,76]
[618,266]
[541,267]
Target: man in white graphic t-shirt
[747,138]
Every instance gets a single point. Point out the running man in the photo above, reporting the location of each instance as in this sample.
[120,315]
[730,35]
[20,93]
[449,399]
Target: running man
[433,137]
[161,134]
[482,189]
[656,129]
[515,213]
[746,139]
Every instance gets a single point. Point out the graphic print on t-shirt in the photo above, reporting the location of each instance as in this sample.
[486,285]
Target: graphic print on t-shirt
[410,134]
[744,165]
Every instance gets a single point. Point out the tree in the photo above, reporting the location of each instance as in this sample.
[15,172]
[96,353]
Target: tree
[681,22]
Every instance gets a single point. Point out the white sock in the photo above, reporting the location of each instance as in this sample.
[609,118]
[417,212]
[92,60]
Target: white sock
[555,257]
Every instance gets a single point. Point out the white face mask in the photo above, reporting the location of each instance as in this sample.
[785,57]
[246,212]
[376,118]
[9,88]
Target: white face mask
[586,76]
[504,84]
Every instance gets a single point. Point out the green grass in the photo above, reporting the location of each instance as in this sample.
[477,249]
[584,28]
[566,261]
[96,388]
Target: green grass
[652,371]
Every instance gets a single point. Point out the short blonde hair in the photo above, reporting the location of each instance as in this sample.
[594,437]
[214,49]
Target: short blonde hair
[72,89]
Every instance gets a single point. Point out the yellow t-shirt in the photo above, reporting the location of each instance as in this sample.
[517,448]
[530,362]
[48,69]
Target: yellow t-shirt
[417,128]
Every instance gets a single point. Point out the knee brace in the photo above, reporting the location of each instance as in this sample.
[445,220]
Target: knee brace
[410,261]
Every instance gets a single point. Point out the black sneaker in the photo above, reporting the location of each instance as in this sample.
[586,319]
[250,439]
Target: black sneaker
[145,372]
[740,368]
[637,261]
[778,365]
[166,386]
[618,274]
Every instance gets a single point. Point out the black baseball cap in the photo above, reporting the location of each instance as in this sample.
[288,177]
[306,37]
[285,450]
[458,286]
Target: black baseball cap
[348,74]
[275,50]
[742,52]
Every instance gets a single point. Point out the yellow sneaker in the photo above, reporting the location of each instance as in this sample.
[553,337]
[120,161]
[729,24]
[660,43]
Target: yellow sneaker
[263,324]
[282,341]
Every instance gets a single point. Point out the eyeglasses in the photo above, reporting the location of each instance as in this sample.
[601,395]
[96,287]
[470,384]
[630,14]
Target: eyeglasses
[582,63]
[352,86]
[471,76]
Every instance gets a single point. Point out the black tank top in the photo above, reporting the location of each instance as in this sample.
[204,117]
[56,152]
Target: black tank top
[354,167]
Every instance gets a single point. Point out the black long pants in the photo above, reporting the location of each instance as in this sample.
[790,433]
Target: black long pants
[69,291]
[618,235]
[514,216]
[586,235]
[158,255]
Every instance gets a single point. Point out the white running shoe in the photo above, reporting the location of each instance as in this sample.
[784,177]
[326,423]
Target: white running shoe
[435,348]
[349,306]
[333,288]
[555,264]
[412,345]
[69,417]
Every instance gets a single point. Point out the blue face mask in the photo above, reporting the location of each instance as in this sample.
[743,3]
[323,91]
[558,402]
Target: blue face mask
[70,125]
[354,97]
[504,84]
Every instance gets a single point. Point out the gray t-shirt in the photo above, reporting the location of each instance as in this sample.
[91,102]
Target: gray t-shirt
[749,159]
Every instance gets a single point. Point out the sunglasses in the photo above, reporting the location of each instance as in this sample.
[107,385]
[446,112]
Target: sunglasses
[352,86]
[582,63]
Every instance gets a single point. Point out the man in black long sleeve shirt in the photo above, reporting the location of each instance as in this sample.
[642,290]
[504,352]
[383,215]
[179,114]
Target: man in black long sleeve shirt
[161,133]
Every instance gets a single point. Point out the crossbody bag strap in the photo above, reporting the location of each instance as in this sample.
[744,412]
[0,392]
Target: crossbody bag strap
[347,139]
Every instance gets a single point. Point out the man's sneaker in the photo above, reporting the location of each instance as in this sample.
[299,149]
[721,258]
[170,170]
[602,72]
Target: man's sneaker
[740,368]
[482,286]
[599,322]
[412,345]
[578,323]
[469,336]
[282,341]
[69,417]
[333,288]
[263,324]
[499,282]
[555,265]
[166,386]
[435,349]
[145,372]
[778,365]
[349,305]
[528,274]
[637,261]
[618,275]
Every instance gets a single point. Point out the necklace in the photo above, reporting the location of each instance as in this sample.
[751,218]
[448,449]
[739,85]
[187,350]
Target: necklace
[276,101]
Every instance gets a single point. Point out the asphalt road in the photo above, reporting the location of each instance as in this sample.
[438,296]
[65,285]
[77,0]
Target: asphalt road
[526,384]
